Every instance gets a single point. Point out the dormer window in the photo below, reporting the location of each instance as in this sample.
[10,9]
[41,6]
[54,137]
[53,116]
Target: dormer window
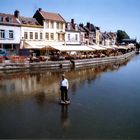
[9,19]
[24,22]
[1,19]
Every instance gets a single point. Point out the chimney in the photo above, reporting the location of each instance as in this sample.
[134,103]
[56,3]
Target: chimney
[16,13]
[39,9]
[81,25]
[88,25]
[72,21]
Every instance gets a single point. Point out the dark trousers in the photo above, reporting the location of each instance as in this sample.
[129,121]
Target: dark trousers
[64,93]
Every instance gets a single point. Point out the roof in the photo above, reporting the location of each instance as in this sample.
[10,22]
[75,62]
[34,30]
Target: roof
[28,21]
[8,19]
[52,16]
[72,27]
[82,29]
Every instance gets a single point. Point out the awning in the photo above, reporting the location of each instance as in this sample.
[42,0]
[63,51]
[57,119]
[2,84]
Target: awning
[122,47]
[38,45]
[34,45]
[96,47]
[131,45]
[65,48]
[107,47]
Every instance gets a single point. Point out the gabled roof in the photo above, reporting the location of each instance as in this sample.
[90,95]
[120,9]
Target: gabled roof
[82,29]
[108,35]
[52,16]
[8,19]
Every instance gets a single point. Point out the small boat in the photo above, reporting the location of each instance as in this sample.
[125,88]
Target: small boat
[64,102]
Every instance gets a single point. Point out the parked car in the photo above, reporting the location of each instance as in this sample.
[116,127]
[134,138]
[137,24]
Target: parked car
[3,53]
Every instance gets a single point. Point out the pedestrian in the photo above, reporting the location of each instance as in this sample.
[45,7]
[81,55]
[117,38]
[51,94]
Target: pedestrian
[64,85]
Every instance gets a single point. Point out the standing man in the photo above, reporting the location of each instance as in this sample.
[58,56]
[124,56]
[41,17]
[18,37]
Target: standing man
[64,85]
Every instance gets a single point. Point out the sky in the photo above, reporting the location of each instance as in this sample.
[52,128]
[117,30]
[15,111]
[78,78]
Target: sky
[109,15]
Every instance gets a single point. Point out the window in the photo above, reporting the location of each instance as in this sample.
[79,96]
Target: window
[25,35]
[36,35]
[52,36]
[61,25]
[57,24]
[31,35]
[52,24]
[47,24]
[76,37]
[63,37]
[68,26]
[47,36]
[11,34]
[59,38]
[41,35]
[68,37]
[2,34]
[82,38]
[76,27]
[1,19]
[9,19]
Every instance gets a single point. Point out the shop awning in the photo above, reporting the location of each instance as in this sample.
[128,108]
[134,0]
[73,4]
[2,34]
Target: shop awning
[72,48]
[37,45]
[108,47]
[96,47]
[34,45]
[131,45]
[122,47]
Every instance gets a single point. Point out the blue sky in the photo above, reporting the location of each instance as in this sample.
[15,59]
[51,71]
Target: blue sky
[109,15]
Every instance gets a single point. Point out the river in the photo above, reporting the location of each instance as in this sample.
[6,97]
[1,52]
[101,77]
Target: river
[105,103]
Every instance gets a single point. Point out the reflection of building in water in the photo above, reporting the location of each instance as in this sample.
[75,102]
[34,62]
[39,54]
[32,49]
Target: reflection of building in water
[48,82]
[29,84]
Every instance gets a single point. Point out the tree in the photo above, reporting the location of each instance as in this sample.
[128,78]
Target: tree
[121,35]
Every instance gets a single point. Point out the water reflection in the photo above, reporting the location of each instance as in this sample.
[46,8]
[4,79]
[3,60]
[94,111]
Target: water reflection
[47,82]
[40,98]
[29,103]
[65,120]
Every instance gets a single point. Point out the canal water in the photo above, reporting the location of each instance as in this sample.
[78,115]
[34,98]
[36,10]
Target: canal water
[105,103]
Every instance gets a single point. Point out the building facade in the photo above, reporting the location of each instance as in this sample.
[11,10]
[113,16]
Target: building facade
[9,32]
[109,38]
[31,33]
[72,36]
[53,27]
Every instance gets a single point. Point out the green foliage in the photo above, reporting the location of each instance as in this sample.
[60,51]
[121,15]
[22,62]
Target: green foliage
[122,35]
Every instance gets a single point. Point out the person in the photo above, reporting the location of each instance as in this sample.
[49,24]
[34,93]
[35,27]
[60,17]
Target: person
[64,85]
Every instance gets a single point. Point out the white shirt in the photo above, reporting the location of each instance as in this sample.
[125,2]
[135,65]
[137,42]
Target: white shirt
[64,83]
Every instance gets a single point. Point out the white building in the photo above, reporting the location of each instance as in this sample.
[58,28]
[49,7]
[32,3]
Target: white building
[53,27]
[72,36]
[31,33]
[9,32]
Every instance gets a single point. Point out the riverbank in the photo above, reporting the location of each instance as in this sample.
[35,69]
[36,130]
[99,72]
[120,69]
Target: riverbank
[65,63]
